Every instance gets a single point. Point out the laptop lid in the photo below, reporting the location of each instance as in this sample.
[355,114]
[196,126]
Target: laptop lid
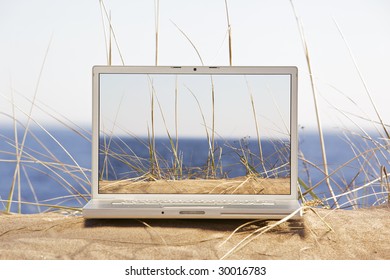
[163,132]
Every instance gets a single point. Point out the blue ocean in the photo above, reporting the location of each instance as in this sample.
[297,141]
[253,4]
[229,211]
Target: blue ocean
[55,166]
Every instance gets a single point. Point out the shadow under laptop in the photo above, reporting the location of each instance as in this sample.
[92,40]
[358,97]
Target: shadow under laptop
[291,227]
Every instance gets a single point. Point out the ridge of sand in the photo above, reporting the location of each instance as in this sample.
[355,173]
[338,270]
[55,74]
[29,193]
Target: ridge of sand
[239,185]
[357,234]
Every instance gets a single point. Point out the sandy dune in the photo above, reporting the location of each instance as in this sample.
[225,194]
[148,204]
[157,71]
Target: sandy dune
[240,185]
[358,234]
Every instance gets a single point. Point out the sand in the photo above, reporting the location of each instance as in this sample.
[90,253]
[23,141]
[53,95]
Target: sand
[357,234]
[239,185]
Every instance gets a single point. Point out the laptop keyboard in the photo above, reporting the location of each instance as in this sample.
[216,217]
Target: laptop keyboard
[200,203]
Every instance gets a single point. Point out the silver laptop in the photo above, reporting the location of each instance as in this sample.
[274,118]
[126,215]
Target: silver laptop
[194,142]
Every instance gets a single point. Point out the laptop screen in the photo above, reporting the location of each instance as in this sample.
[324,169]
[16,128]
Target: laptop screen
[194,133]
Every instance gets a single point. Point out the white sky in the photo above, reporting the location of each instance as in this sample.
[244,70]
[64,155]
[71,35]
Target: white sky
[125,105]
[263,33]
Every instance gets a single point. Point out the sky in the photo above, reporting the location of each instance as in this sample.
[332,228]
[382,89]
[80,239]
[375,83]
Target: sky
[125,105]
[48,48]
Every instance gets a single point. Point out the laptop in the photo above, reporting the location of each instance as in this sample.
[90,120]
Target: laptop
[194,142]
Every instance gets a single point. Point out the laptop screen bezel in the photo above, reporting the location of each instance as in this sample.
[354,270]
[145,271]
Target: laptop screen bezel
[201,70]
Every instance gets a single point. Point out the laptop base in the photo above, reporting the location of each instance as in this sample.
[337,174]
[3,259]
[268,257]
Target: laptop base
[108,209]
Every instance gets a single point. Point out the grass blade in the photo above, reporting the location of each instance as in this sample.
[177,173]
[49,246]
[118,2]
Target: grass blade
[157,25]
[189,40]
[362,80]
[313,87]
[19,155]
[229,33]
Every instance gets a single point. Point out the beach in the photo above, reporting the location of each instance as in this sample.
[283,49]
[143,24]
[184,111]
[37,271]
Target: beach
[239,185]
[338,234]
